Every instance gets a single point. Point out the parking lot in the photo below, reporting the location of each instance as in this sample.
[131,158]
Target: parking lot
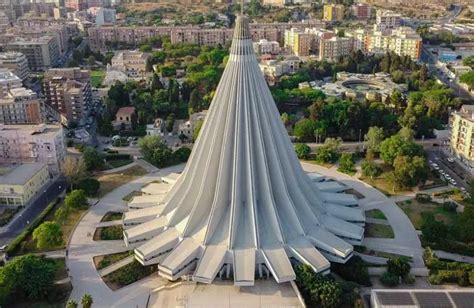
[449,169]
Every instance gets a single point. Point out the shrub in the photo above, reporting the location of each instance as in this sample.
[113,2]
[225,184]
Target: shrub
[302,150]
[389,279]
[409,279]
[450,206]
[398,266]
[346,163]
[116,156]
[423,198]
[131,273]
[353,270]
[90,186]
[182,154]
[76,199]
[111,233]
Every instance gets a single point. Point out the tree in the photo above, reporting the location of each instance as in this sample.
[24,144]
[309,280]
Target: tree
[76,199]
[408,171]
[346,163]
[90,186]
[329,152]
[468,61]
[145,48]
[27,276]
[170,122]
[374,138]
[396,145]
[91,60]
[194,101]
[398,266]
[71,304]
[182,154]
[74,169]
[155,152]
[48,235]
[464,226]
[92,158]
[86,301]
[433,230]
[302,150]
[370,169]
[304,130]
[468,79]
[62,214]
[389,279]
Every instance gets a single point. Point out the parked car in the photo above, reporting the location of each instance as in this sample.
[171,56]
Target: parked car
[451,160]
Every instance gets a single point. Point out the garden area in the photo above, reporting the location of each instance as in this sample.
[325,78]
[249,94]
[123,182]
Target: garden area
[7,215]
[108,233]
[128,274]
[377,214]
[378,230]
[415,210]
[103,261]
[450,272]
[97,76]
[111,181]
[111,216]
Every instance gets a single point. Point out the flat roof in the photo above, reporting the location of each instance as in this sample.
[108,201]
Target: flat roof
[21,174]
[459,298]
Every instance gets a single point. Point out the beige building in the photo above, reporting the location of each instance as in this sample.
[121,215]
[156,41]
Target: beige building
[33,143]
[333,12]
[8,81]
[21,106]
[124,118]
[42,53]
[402,41]
[187,128]
[68,91]
[265,47]
[15,62]
[333,48]
[462,134]
[387,20]
[18,184]
[132,63]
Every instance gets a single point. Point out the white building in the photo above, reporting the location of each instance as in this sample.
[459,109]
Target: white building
[264,47]
[133,63]
[103,15]
[33,143]
[16,62]
[387,20]
[8,81]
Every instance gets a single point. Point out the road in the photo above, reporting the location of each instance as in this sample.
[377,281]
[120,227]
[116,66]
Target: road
[33,210]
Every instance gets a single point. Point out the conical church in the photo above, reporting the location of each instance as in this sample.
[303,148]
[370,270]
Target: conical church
[243,207]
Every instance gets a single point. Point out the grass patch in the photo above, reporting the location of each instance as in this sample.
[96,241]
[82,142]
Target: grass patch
[111,216]
[108,233]
[116,163]
[7,215]
[378,214]
[134,193]
[319,163]
[128,274]
[387,255]
[109,182]
[97,76]
[378,230]
[415,211]
[67,226]
[103,261]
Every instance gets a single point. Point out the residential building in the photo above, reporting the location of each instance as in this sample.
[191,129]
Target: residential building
[359,39]
[22,182]
[42,53]
[33,143]
[68,91]
[15,62]
[276,2]
[264,47]
[402,41]
[76,5]
[333,48]
[132,63]
[272,69]
[362,11]
[8,81]
[462,134]
[102,15]
[124,118]
[187,128]
[300,43]
[21,106]
[387,20]
[333,12]
[59,13]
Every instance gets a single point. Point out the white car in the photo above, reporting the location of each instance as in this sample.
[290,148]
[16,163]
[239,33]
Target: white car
[435,167]
[453,182]
[448,177]
[451,160]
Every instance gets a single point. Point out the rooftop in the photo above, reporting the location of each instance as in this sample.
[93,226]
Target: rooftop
[43,129]
[125,111]
[19,175]
[7,75]
[423,298]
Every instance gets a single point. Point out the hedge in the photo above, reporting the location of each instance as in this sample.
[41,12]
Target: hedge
[111,156]
[13,246]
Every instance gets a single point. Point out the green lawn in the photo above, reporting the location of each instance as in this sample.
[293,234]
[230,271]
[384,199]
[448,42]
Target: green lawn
[108,233]
[415,210]
[109,182]
[111,216]
[378,214]
[106,260]
[128,274]
[378,230]
[97,77]
[119,162]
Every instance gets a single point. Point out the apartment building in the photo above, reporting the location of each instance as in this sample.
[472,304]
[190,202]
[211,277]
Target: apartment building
[386,20]
[42,53]
[265,47]
[33,143]
[76,5]
[103,15]
[403,41]
[68,91]
[22,182]
[21,106]
[16,62]
[462,134]
[333,48]
[362,11]
[333,12]
[276,2]
[300,42]
[359,39]
[8,81]
[101,38]
[132,63]
[58,31]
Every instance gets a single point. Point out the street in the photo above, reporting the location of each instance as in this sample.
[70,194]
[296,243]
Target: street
[32,210]
[461,176]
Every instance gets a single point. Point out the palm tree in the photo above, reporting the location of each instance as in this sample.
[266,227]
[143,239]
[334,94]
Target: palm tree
[86,301]
[71,304]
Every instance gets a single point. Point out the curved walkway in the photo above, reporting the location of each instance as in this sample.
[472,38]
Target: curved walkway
[406,241]
[82,249]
